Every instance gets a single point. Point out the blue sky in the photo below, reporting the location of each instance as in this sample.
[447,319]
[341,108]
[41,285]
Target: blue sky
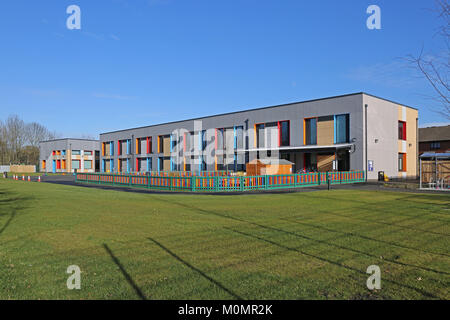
[141,62]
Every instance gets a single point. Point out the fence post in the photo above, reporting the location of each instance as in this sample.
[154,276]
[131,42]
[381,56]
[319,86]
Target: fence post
[319,177]
[192,183]
[266,182]
[241,183]
[216,183]
[328,180]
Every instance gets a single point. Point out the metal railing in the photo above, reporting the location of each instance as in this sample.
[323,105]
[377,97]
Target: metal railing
[223,183]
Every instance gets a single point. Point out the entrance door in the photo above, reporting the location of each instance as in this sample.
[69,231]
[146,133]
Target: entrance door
[343,160]
[54,166]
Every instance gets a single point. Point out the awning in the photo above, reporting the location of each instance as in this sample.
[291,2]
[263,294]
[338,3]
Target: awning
[304,148]
[445,155]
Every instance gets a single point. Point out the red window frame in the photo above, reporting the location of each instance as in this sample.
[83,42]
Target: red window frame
[402,133]
[279,132]
[149,145]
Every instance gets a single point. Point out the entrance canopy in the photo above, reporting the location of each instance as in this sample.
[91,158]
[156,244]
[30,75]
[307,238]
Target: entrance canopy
[308,148]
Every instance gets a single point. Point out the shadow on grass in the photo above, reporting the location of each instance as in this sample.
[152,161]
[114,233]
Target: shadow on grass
[327,243]
[391,224]
[11,204]
[218,284]
[352,234]
[420,291]
[367,206]
[125,273]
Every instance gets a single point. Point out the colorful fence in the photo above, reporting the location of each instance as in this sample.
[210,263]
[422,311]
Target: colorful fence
[223,183]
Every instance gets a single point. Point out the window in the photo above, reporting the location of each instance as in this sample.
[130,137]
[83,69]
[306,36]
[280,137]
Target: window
[402,130]
[435,145]
[260,135]
[173,142]
[238,137]
[129,146]
[341,126]
[160,144]
[76,152]
[87,153]
[88,164]
[203,140]
[43,164]
[149,164]
[75,164]
[220,139]
[202,163]
[149,145]
[310,130]
[54,153]
[283,134]
[402,162]
[119,147]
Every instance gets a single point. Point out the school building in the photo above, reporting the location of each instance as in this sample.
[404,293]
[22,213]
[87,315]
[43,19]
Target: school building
[349,132]
[69,155]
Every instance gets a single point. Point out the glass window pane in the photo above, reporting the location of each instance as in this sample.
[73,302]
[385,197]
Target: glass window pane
[342,128]
[75,164]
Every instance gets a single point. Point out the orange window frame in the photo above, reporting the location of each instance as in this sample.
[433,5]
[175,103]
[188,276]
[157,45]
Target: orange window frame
[404,169]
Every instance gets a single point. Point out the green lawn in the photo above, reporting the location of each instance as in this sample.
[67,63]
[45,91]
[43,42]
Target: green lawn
[309,245]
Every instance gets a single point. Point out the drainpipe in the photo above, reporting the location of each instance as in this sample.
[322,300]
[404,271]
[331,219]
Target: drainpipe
[366,146]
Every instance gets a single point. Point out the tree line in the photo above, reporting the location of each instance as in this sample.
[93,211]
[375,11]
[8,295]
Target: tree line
[19,141]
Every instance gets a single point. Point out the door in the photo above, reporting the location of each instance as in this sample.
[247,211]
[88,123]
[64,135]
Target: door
[54,166]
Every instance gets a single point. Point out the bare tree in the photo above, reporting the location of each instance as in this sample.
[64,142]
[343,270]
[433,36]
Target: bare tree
[19,141]
[435,67]
[36,132]
[16,136]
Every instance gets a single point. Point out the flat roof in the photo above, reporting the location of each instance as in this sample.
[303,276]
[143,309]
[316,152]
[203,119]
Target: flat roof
[260,108]
[60,139]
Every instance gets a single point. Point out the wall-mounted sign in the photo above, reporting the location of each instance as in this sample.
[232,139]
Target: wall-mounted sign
[370,165]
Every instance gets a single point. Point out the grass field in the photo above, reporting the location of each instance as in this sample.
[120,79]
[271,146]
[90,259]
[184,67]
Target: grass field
[309,245]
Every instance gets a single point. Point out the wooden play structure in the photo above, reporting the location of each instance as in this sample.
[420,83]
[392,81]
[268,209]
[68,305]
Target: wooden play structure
[259,167]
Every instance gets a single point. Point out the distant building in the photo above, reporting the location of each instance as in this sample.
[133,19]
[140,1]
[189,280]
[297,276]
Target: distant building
[434,139]
[350,132]
[68,155]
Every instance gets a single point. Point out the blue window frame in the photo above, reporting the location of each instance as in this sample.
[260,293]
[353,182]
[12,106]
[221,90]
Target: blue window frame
[341,128]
